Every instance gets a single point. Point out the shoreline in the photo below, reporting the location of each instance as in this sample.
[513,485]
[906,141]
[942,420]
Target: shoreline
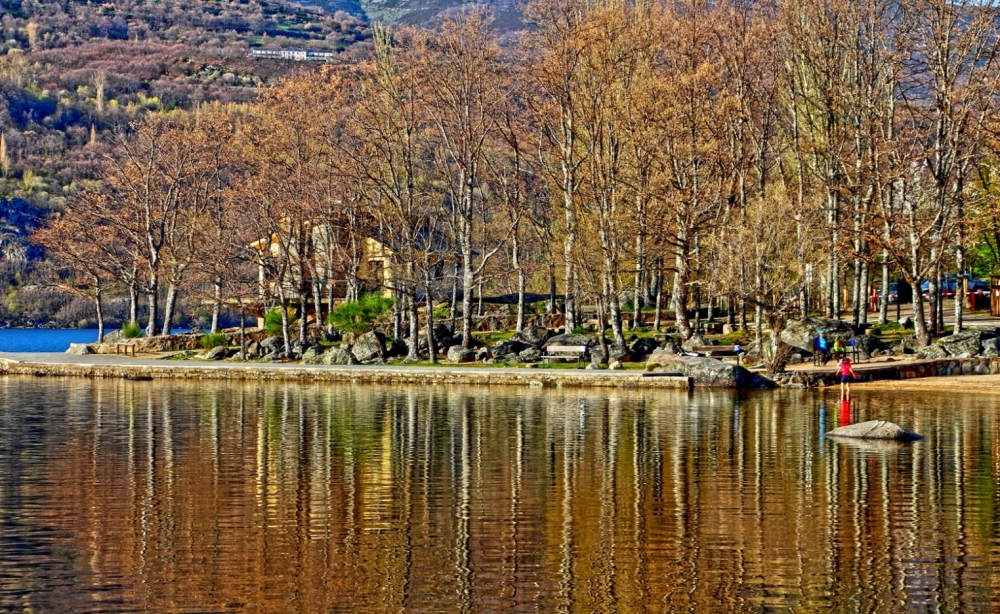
[107,366]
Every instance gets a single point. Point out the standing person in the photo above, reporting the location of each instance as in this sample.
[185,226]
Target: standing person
[846,373]
[821,346]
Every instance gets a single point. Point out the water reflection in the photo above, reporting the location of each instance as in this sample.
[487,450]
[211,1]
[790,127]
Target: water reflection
[124,496]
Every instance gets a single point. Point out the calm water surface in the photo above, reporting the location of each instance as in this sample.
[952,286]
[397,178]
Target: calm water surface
[44,339]
[140,496]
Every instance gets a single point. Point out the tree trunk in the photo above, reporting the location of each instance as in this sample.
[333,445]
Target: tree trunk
[154,289]
[552,289]
[168,310]
[658,313]
[959,286]
[243,334]
[413,355]
[468,282]
[429,310]
[680,295]
[883,308]
[100,315]
[453,307]
[303,313]
[133,304]
[216,304]
[521,281]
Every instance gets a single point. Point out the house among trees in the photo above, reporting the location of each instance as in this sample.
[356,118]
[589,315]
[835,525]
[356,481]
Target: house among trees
[298,55]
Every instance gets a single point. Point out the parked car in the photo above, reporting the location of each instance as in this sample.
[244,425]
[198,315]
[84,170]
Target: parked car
[949,285]
[893,293]
[979,287]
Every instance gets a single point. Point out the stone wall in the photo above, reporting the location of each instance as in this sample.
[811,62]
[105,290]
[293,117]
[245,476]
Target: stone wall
[365,375]
[942,367]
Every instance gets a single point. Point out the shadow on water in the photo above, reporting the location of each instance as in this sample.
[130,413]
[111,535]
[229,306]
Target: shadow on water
[124,496]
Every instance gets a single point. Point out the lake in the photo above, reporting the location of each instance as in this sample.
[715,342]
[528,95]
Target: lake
[123,496]
[44,339]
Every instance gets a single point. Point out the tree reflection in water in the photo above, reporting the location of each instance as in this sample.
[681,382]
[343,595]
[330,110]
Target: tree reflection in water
[273,498]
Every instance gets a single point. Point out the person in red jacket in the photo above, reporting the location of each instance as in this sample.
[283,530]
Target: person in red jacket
[846,373]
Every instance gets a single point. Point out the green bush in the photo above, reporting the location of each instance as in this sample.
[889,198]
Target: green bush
[360,316]
[272,321]
[579,330]
[131,330]
[212,340]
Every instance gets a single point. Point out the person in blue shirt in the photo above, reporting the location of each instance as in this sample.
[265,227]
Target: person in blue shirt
[821,347]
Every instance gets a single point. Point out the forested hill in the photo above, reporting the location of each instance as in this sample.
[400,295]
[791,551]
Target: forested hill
[73,73]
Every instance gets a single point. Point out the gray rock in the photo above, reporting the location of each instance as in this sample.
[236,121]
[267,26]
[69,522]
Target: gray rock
[338,356]
[619,353]
[272,344]
[459,354]
[79,349]
[115,336]
[990,353]
[867,345]
[640,348]
[482,354]
[530,355]
[800,333]
[369,346]
[875,429]
[932,351]
[967,342]
[511,346]
[593,367]
[795,359]
[253,349]
[708,372]
[312,355]
[572,339]
[616,366]
[398,347]
[217,353]
[991,345]
[534,336]
[906,322]
[695,340]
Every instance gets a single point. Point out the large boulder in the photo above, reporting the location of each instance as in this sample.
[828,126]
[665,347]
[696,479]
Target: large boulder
[442,338]
[935,350]
[695,341]
[534,336]
[217,353]
[313,355]
[906,322]
[79,349]
[369,346]
[115,336]
[619,353]
[510,346]
[272,344]
[866,344]
[572,339]
[640,348]
[800,333]
[707,372]
[338,356]
[530,355]
[967,342]
[459,354]
[991,347]
[875,429]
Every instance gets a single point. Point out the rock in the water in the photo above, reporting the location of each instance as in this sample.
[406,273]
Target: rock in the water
[79,349]
[369,346]
[459,354]
[967,342]
[534,336]
[708,372]
[875,429]
[695,340]
[338,356]
[800,333]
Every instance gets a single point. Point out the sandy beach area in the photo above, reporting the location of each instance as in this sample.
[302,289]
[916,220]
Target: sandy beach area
[988,384]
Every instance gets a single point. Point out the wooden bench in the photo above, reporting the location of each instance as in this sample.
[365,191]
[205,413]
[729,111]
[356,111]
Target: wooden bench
[719,350]
[565,352]
[125,348]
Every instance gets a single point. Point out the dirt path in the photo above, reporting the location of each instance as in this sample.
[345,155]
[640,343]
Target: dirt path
[987,384]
